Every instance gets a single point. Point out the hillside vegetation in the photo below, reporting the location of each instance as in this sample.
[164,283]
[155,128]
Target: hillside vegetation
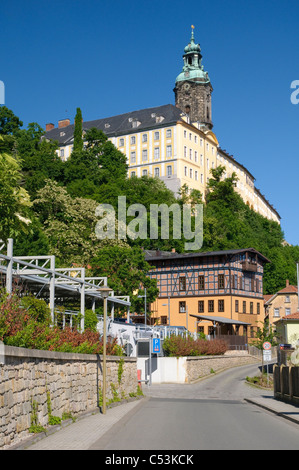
[49,207]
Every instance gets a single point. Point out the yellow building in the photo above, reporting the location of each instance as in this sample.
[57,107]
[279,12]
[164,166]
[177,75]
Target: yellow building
[282,304]
[173,143]
[214,292]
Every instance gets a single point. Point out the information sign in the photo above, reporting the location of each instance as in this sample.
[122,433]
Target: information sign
[156,345]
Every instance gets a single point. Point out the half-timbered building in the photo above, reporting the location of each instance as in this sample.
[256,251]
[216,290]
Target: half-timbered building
[211,292]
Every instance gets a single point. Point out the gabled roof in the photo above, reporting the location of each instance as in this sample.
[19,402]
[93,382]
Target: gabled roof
[155,255]
[122,124]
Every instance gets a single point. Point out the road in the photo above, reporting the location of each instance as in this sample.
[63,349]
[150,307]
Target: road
[209,415]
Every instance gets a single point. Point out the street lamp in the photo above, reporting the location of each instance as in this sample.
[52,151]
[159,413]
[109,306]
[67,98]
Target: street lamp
[164,305]
[105,290]
[140,296]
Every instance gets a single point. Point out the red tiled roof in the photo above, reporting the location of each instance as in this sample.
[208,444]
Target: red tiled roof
[288,290]
[292,316]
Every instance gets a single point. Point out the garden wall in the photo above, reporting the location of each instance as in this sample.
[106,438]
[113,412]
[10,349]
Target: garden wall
[189,369]
[29,379]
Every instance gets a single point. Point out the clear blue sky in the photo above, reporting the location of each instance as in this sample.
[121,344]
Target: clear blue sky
[111,57]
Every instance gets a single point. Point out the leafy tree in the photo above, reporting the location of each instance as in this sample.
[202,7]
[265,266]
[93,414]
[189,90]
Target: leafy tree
[127,271]
[69,224]
[78,141]
[9,122]
[14,200]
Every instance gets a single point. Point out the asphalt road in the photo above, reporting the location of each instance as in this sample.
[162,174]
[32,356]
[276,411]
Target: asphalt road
[209,415]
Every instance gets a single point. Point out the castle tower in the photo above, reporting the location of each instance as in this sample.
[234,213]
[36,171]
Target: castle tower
[193,88]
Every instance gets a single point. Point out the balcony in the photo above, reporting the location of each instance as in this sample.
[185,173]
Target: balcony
[249,266]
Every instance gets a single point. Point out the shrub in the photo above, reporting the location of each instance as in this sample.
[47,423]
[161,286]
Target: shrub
[26,324]
[186,346]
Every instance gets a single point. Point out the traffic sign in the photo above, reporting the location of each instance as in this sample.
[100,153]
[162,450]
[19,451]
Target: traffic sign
[267,345]
[156,345]
[267,357]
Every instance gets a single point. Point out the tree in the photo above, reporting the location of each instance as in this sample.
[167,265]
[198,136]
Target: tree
[69,224]
[9,122]
[78,141]
[127,272]
[14,200]
[39,160]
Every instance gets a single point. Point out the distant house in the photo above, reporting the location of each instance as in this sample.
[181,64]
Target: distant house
[282,304]
[287,328]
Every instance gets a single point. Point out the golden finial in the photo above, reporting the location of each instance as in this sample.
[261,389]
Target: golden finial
[192,26]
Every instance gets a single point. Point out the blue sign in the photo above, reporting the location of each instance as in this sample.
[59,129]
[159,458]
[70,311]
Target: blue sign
[156,345]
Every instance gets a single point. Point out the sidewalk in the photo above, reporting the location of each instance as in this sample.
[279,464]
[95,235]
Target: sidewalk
[81,434]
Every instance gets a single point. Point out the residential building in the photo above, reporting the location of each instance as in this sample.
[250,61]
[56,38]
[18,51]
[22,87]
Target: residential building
[287,329]
[173,142]
[208,289]
[282,304]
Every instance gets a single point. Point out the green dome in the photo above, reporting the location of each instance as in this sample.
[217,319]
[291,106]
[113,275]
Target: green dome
[193,69]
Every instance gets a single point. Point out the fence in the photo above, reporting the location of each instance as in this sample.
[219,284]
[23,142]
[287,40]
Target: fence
[286,383]
[234,341]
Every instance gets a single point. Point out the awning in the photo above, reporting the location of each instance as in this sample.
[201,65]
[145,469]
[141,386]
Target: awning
[220,320]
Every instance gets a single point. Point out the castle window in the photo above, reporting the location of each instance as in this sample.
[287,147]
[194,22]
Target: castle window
[121,142]
[133,157]
[144,172]
[168,133]
[168,151]
[133,140]
[157,172]
[156,153]
[156,136]
[144,137]
[133,173]
[144,155]
[169,170]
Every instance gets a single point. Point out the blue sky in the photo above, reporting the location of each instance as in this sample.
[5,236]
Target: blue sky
[111,57]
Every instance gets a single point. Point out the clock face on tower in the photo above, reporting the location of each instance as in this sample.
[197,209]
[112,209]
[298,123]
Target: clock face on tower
[186,86]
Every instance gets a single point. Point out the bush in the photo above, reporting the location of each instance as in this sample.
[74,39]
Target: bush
[26,324]
[176,346]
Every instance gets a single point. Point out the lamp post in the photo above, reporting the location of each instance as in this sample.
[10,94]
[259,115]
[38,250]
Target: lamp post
[168,304]
[139,296]
[104,293]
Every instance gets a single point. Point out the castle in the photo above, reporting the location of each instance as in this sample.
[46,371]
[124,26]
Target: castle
[173,142]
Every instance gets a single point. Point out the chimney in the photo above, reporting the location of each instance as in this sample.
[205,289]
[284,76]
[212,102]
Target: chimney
[287,283]
[49,126]
[63,123]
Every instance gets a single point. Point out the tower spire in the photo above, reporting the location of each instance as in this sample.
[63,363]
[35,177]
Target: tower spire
[193,87]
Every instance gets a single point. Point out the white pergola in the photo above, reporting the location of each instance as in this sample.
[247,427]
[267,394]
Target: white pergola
[41,275]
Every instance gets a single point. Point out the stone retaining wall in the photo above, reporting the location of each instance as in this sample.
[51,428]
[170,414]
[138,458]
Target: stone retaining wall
[70,382]
[203,366]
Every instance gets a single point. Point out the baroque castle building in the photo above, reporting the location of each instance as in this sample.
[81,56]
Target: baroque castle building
[173,142]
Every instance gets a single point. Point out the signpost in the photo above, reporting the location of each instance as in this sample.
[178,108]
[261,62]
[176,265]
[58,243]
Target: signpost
[267,356]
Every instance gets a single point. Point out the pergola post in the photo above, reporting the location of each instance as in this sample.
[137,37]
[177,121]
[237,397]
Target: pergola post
[9,266]
[52,288]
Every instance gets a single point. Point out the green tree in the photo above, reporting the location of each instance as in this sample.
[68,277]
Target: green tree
[14,200]
[9,122]
[127,271]
[78,141]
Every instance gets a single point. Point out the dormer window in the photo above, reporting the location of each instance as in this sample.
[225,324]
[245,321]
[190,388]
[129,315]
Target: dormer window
[107,125]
